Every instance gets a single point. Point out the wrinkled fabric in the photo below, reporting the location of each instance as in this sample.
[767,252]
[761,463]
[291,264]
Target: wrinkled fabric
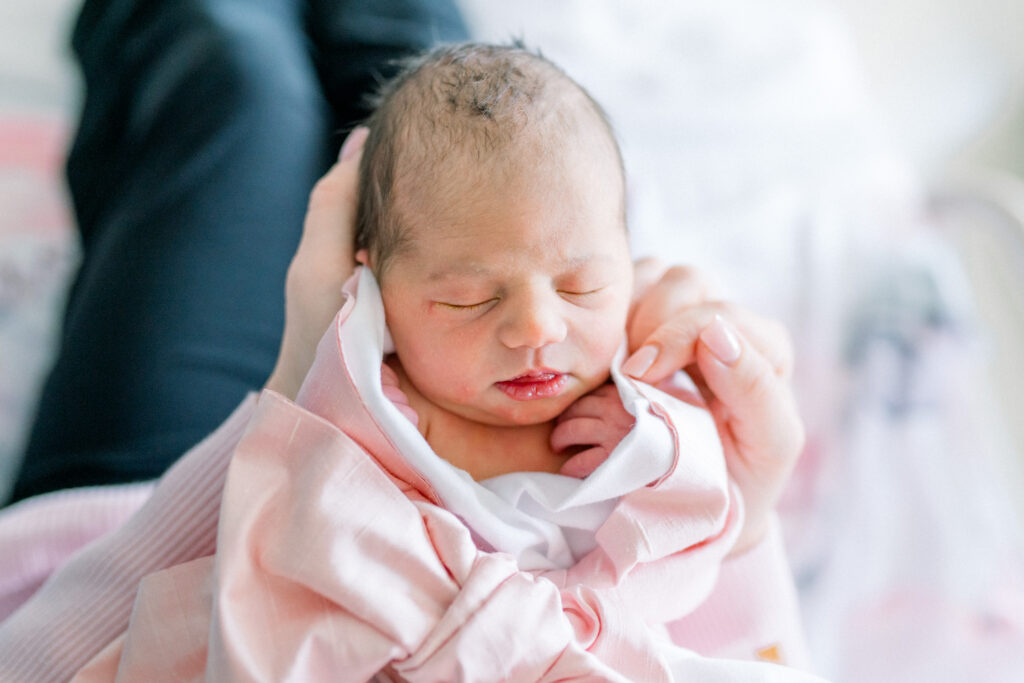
[544,520]
[38,534]
[336,560]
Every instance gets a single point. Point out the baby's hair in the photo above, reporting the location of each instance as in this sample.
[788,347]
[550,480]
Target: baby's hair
[463,98]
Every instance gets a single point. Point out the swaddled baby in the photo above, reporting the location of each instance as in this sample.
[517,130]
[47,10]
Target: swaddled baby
[352,546]
[492,214]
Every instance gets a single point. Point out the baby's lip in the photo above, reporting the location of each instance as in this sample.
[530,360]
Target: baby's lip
[538,375]
[534,384]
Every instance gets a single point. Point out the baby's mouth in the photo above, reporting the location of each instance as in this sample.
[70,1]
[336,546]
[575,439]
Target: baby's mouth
[534,384]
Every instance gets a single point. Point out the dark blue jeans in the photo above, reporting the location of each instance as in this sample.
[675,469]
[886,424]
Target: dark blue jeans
[205,125]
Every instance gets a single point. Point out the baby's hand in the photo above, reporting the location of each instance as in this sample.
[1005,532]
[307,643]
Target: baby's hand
[393,392]
[597,420]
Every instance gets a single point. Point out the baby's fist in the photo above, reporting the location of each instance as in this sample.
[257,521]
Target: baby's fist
[393,392]
[597,420]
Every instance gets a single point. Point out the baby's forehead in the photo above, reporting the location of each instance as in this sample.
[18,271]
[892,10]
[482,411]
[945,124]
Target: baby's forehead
[457,128]
[474,233]
[438,158]
[458,190]
[484,105]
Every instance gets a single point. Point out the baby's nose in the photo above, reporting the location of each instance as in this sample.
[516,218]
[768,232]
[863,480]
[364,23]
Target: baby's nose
[533,324]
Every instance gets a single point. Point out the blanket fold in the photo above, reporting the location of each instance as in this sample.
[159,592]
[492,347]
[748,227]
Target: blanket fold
[335,559]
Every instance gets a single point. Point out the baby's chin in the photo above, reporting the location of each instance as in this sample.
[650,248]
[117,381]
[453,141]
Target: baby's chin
[505,411]
[517,414]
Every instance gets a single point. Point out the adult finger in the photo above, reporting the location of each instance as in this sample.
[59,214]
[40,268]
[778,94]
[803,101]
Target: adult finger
[757,405]
[329,231]
[673,344]
[646,272]
[675,289]
[325,258]
[336,190]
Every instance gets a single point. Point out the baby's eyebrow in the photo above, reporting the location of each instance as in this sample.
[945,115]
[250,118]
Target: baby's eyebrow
[463,269]
[480,270]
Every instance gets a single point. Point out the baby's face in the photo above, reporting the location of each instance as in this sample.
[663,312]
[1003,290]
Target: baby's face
[511,301]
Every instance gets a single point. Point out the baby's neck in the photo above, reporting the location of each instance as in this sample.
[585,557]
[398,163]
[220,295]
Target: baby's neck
[482,450]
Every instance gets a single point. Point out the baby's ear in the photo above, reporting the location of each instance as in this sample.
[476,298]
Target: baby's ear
[363,256]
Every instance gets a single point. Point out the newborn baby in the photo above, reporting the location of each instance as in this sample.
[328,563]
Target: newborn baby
[352,546]
[492,213]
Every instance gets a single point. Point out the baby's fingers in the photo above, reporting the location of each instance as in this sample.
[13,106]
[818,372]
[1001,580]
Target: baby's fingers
[395,395]
[392,392]
[388,376]
[583,464]
[579,431]
[600,402]
[400,401]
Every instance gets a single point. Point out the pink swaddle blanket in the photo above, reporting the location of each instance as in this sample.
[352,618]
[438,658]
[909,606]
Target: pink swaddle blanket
[347,550]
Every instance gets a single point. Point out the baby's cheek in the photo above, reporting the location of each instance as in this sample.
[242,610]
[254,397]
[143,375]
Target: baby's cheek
[455,382]
[602,343]
[464,392]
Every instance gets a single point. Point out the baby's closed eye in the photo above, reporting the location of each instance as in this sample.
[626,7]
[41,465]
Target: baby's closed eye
[582,293]
[466,306]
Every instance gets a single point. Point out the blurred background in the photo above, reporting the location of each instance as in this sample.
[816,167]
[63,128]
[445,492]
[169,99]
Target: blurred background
[853,168]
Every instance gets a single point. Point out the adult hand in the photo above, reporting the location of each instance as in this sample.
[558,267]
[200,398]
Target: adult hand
[321,265]
[742,364]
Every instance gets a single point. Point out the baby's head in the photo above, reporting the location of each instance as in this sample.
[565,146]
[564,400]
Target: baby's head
[492,212]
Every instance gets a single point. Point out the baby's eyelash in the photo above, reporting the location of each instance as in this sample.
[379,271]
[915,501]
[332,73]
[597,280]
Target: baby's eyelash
[464,307]
[481,304]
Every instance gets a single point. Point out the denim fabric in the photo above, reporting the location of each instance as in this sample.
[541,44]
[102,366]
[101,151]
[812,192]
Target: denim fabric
[204,126]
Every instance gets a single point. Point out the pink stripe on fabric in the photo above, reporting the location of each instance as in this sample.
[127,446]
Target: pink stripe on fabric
[39,534]
[88,601]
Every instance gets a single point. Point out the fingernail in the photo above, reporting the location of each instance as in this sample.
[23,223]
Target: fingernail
[641,361]
[353,142]
[721,339]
